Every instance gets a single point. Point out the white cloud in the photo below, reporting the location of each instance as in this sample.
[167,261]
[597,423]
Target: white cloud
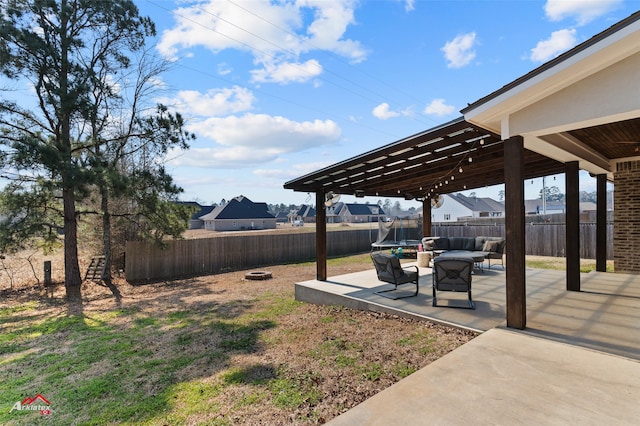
[559,42]
[288,72]
[438,107]
[273,32]
[459,51]
[409,5]
[253,139]
[383,112]
[224,69]
[296,170]
[584,11]
[261,131]
[213,102]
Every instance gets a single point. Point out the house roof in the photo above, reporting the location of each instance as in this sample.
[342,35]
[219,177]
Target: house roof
[202,210]
[553,65]
[240,208]
[306,211]
[581,106]
[364,209]
[476,204]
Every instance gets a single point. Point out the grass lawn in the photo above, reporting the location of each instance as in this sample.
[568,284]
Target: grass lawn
[216,350]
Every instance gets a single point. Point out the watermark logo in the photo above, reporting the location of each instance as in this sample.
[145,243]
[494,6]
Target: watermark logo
[37,403]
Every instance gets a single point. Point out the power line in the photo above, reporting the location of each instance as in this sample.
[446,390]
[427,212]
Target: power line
[252,48]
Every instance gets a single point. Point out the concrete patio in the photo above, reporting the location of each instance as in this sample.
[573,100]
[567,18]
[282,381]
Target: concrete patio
[578,360]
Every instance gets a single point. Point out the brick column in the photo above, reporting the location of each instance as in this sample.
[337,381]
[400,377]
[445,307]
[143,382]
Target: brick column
[626,217]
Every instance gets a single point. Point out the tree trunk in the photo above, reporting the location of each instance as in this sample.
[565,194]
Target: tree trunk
[106,236]
[72,279]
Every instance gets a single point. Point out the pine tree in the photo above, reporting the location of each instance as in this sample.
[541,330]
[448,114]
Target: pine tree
[59,142]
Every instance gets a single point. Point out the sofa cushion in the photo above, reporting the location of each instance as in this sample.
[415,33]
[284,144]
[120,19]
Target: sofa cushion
[480,243]
[491,246]
[441,243]
[462,243]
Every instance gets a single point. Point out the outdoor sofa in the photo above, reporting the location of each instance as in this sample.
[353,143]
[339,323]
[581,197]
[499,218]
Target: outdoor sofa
[489,247]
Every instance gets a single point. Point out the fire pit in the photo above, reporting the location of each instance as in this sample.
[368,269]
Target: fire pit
[258,275]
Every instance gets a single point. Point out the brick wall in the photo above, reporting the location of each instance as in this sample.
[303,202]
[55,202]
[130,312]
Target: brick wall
[626,217]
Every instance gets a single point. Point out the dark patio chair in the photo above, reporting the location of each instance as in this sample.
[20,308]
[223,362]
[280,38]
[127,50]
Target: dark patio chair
[390,271]
[452,274]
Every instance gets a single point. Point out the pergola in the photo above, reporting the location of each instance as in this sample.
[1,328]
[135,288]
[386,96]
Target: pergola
[578,111]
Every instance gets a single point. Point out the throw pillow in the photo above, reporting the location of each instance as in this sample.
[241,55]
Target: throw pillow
[491,246]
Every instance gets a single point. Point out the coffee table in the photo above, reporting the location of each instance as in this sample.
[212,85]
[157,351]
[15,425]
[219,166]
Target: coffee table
[476,256]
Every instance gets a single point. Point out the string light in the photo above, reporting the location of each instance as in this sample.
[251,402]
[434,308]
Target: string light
[452,177]
[470,160]
[460,170]
[481,141]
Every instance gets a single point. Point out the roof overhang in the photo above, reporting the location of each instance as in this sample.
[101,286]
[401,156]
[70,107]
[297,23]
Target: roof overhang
[449,158]
[590,86]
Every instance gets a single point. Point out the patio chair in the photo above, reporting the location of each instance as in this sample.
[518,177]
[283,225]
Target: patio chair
[390,271]
[452,274]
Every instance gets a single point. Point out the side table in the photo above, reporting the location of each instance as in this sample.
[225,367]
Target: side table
[424,257]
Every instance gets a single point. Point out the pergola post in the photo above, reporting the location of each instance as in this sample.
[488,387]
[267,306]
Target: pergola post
[515,232]
[572,182]
[601,223]
[426,217]
[321,237]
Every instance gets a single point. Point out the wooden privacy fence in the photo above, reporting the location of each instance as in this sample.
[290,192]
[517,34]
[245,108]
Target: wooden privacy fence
[182,258]
[547,239]
[147,262]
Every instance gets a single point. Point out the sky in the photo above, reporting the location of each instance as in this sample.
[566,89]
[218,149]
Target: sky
[277,89]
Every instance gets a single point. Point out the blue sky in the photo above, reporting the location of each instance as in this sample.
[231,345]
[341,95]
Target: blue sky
[274,90]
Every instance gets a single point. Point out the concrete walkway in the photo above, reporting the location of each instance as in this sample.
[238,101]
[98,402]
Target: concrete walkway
[578,361]
[507,378]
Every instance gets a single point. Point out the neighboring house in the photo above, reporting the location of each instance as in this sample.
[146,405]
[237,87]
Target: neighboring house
[459,206]
[538,207]
[306,214]
[240,213]
[355,213]
[195,222]
[282,217]
[333,212]
[587,206]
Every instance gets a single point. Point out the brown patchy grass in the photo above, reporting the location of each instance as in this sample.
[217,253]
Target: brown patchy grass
[255,355]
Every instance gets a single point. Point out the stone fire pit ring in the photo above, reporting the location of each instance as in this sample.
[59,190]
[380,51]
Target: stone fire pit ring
[258,275]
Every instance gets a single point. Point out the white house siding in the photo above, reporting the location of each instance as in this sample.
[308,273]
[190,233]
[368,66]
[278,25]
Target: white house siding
[452,208]
[239,224]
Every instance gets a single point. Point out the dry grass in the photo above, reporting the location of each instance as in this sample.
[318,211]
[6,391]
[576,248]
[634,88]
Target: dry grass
[209,350]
